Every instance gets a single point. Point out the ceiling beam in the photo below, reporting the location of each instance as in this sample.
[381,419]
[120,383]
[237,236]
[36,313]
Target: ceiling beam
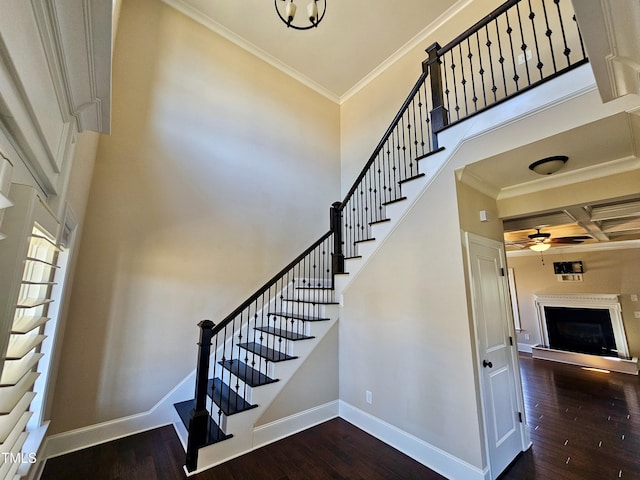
[582,216]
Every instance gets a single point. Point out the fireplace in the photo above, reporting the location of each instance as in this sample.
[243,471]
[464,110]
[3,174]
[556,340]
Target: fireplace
[581,330]
[582,323]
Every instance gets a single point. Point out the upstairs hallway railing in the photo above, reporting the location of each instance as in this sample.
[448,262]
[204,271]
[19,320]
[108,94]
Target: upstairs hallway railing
[516,47]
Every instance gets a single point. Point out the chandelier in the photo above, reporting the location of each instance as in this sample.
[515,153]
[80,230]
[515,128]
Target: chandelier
[286,10]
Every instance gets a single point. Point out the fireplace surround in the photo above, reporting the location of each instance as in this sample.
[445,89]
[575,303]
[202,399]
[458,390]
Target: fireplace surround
[584,329]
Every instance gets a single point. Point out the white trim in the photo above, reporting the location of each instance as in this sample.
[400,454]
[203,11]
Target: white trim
[436,459]
[284,427]
[601,301]
[525,347]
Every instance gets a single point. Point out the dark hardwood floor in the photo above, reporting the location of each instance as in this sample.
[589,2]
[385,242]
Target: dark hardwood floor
[584,425]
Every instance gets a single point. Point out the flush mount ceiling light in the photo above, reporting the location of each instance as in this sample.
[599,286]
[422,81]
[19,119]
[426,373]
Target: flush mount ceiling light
[549,165]
[286,10]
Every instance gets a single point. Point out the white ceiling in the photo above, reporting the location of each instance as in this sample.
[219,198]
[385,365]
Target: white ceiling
[353,40]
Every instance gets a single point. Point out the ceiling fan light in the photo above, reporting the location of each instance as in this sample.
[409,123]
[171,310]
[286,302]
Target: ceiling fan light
[549,165]
[540,247]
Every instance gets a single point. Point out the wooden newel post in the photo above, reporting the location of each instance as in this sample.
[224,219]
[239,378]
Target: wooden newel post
[337,259]
[199,420]
[439,114]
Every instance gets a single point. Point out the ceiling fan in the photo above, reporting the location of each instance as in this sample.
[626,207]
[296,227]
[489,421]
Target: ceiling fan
[542,241]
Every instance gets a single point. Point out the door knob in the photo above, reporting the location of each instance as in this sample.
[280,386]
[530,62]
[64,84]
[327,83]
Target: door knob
[486,364]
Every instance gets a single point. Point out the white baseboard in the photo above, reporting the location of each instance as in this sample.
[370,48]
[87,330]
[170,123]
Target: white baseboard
[160,415]
[525,347]
[284,427]
[436,459]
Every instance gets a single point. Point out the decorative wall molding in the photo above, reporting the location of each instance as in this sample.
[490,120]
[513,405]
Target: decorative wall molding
[77,43]
[610,31]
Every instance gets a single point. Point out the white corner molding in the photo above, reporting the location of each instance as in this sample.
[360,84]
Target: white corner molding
[436,459]
[610,32]
[76,36]
[284,427]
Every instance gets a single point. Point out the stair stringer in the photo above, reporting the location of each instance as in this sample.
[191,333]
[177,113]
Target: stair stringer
[241,425]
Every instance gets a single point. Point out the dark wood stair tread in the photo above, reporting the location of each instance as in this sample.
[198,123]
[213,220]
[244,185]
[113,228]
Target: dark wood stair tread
[413,177]
[364,240]
[298,316]
[214,434]
[246,373]
[382,220]
[266,352]
[399,199]
[426,155]
[281,333]
[312,302]
[226,397]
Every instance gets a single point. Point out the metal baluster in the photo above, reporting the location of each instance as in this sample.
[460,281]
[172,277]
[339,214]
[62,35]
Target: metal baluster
[575,21]
[567,50]
[501,58]
[516,77]
[488,43]
[532,17]
[548,32]
[474,99]
[463,82]
[481,71]
[524,46]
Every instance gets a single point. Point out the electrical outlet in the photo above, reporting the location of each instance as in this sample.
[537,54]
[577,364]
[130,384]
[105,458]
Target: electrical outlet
[526,336]
[634,297]
[636,314]
[369,397]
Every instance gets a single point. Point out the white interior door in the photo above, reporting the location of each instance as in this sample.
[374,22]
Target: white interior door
[499,374]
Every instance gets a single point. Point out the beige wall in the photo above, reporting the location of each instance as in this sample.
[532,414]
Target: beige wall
[218,171]
[315,383]
[606,271]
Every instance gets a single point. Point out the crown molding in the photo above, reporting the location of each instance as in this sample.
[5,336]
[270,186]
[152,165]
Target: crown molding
[614,167]
[415,42]
[208,22]
[224,32]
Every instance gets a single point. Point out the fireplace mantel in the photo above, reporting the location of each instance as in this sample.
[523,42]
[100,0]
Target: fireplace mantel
[605,301]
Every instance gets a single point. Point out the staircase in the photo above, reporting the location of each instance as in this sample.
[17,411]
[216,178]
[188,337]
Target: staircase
[247,358]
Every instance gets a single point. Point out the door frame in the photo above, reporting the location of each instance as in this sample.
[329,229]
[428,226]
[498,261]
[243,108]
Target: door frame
[525,438]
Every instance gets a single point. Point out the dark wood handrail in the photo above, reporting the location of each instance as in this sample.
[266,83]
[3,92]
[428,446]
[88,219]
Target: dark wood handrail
[219,327]
[477,26]
[393,125]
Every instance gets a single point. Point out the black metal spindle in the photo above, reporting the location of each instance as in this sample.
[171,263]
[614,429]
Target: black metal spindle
[548,33]
[567,50]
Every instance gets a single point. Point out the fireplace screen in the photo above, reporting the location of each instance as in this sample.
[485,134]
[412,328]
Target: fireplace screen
[582,330]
